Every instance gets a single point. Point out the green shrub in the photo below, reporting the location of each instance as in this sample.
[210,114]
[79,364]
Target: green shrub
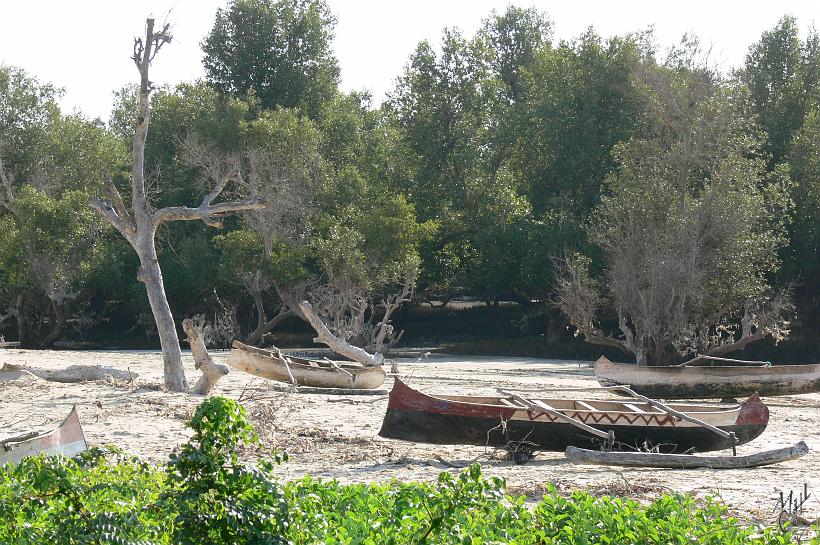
[205,495]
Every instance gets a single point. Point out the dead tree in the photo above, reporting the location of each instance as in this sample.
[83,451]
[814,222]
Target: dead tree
[139,224]
[337,343]
[211,372]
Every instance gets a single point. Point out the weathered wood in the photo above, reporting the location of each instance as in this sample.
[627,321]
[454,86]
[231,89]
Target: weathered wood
[710,381]
[685,461]
[677,414]
[325,391]
[70,374]
[211,371]
[274,365]
[337,344]
[541,406]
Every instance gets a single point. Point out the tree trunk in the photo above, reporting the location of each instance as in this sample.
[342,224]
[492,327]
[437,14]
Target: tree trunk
[23,331]
[151,275]
[211,372]
[262,327]
[57,328]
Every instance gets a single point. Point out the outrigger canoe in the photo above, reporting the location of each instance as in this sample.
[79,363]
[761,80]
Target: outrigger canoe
[274,365]
[711,379]
[544,424]
[67,439]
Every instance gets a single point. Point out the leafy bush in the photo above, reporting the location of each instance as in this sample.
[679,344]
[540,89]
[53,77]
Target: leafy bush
[213,497]
[206,495]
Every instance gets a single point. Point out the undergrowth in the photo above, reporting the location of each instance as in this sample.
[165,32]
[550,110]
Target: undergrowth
[206,495]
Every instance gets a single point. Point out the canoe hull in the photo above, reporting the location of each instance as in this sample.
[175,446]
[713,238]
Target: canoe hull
[412,416]
[702,382]
[68,439]
[267,364]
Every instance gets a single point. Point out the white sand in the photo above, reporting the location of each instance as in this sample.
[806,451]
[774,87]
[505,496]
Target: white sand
[336,436]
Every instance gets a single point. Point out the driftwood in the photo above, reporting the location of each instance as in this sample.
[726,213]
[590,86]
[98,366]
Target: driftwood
[211,372]
[337,344]
[685,461]
[327,391]
[72,373]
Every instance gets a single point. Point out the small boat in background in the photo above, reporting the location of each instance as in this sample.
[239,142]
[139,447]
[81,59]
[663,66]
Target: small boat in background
[68,439]
[274,365]
[555,424]
[710,378]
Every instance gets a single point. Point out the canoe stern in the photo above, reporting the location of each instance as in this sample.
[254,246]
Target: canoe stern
[753,412]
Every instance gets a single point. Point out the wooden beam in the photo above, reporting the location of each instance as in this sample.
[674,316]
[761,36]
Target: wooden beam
[678,414]
[635,408]
[685,461]
[586,406]
[540,406]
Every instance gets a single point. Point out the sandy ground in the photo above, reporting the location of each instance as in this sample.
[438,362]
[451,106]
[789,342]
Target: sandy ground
[336,436]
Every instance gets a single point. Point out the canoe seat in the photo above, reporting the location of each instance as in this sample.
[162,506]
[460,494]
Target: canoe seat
[509,403]
[634,408]
[586,406]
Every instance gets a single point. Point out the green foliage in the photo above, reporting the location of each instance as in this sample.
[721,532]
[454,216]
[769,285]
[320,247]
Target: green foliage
[26,107]
[105,497]
[102,496]
[276,50]
[215,498]
[583,518]
[783,74]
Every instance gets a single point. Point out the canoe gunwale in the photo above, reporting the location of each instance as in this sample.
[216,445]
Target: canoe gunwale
[713,381]
[67,439]
[419,417]
[314,373]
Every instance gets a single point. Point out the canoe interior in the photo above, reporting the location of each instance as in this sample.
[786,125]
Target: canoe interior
[296,361]
[67,439]
[270,364]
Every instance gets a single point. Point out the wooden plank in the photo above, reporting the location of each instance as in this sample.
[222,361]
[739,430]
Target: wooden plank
[680,415]
[509,403]
[728,360]
[586,406]
[543,407]
[634,408]
[685,461]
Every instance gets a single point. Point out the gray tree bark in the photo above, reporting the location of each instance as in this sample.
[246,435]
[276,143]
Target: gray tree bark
[139,226]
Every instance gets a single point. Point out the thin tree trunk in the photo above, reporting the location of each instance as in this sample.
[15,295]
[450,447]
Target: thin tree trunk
[151,275]
[262,326]
[58,327]
[23,331]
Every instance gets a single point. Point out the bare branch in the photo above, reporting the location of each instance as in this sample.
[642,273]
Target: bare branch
[579,299]
[117,204]
[108,212]
[338,344]
[209,214]
[7,182]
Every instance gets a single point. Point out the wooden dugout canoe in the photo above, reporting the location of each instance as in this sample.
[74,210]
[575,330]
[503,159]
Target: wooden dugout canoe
[710,381]
[67,439]
[477,420]
[271,364]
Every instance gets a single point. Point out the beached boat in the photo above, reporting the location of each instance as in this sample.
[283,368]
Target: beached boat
[553,424]
[274,365]
[67,439]
[711,378]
